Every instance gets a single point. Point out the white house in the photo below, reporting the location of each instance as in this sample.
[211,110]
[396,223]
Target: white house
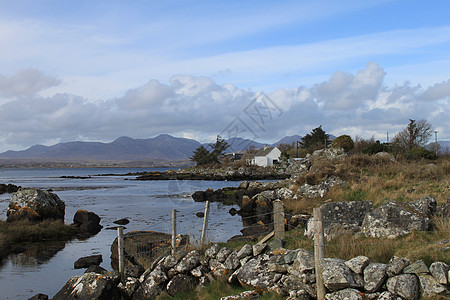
[266,156]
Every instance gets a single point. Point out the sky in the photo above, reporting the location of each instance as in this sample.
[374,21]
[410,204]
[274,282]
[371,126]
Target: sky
[97,70]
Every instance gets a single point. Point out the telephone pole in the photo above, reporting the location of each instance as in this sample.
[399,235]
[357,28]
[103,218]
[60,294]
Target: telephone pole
[435,141]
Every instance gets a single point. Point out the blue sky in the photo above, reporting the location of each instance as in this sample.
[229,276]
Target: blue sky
[97,70]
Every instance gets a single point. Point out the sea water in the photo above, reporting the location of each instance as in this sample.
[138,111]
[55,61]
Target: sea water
[147,204]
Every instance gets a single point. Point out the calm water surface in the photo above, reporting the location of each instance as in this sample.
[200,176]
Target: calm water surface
[147,204]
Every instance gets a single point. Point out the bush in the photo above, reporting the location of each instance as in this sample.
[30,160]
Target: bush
[377,147]
[343,141]
[420,152]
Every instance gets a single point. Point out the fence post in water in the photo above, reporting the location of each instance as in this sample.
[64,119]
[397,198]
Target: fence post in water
[319,251]
[174,231]
[205,224]
[278,220]
[120,249]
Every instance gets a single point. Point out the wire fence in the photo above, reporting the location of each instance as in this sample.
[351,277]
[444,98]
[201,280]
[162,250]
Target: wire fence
[142,248]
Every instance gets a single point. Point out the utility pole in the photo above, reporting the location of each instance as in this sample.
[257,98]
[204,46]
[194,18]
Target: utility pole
[435,141]
[387,136]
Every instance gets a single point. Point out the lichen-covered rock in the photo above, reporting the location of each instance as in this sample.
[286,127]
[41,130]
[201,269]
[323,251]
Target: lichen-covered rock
[289,283]
[35,205]
[246,250]
[259,248]
[148,290]
[440,271]
[391,220]
[404,285]
[386,295]
[319,190]
[425,205]
[374,276]
[90,286]
[254,273]
[396,265]
[87,261]
[128,287]
[189,262]
[170,262]
[418,267]
[232,262]
[346,294]
[358,264]
[159,274]
[303,263]
[339,217]
[181,282]
[336,275]
[430,286]
[223,254]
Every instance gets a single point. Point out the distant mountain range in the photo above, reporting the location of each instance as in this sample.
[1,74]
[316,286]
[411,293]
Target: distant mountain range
[161,148]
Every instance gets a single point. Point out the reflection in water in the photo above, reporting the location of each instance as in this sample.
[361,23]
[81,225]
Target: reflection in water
[37,253]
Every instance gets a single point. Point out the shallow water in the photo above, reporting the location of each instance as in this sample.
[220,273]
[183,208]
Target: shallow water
[147,204]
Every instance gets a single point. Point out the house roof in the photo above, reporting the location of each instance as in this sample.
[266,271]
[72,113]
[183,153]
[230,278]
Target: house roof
[264,151]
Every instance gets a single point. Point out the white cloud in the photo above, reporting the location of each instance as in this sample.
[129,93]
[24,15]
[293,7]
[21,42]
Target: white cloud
[26,83]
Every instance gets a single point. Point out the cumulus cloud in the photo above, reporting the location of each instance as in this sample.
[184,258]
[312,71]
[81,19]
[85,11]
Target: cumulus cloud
[25,83]
[358,104]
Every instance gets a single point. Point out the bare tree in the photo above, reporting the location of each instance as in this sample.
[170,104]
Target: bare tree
[416,134]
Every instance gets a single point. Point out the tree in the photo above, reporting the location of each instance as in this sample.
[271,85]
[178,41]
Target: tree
[343,141]
[317,139]
[202,156]
[416,134]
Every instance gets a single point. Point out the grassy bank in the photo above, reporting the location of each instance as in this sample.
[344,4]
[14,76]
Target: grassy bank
[22,232]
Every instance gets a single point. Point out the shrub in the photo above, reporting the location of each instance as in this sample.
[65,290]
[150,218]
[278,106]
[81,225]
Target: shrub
[377,147]
[420,152]
[343,141]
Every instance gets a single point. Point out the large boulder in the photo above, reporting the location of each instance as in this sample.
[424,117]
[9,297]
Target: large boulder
[392,219]
[319,189]
[337,275]
[181,282]
[404,285]
[87,221]
[35,205]
[339,217]
[87,261]
[254,273]
[90,286]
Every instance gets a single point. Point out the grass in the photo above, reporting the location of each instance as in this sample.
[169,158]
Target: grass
[20,232]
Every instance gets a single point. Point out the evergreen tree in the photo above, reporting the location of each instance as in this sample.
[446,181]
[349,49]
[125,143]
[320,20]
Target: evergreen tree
[317,139]
[202,156]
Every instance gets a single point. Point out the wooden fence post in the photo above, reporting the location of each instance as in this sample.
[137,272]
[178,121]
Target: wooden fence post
[120,250]
[174,231]
[278,219]
[319,252]
[205,224]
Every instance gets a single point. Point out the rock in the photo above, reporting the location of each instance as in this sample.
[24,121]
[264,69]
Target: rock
[246,250]
[254,273]
[346,294]
[429,285]
[284,194]
[259,248]
[87,261]
[200,214]
[233,211]
[425,205]
[358,264]
[39,297]
[336,275]
[87,221]
[134,271]
[404,285]
[223,254]
[396,265]
[200,271]
[123,221]
[440,271]
[417,267]
[90,286]
[299,166]
[189,262]
[443,210]
[212,251]
[232,262]
[35,205]
[128,287]
[320,189]
[329,153]
[170,262]
[217,268]
[148,289]
[380,222]
[243,185]
[303,263]
[339,217]
[374,276]
[385,156]
[181,282]
[96,269]
[288,284]
[386,295]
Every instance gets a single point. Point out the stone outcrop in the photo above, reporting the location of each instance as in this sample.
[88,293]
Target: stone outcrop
[319,190]
[8,188]
[87,221]
[393,219]
[87,261]
[339,217]
[35,205]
